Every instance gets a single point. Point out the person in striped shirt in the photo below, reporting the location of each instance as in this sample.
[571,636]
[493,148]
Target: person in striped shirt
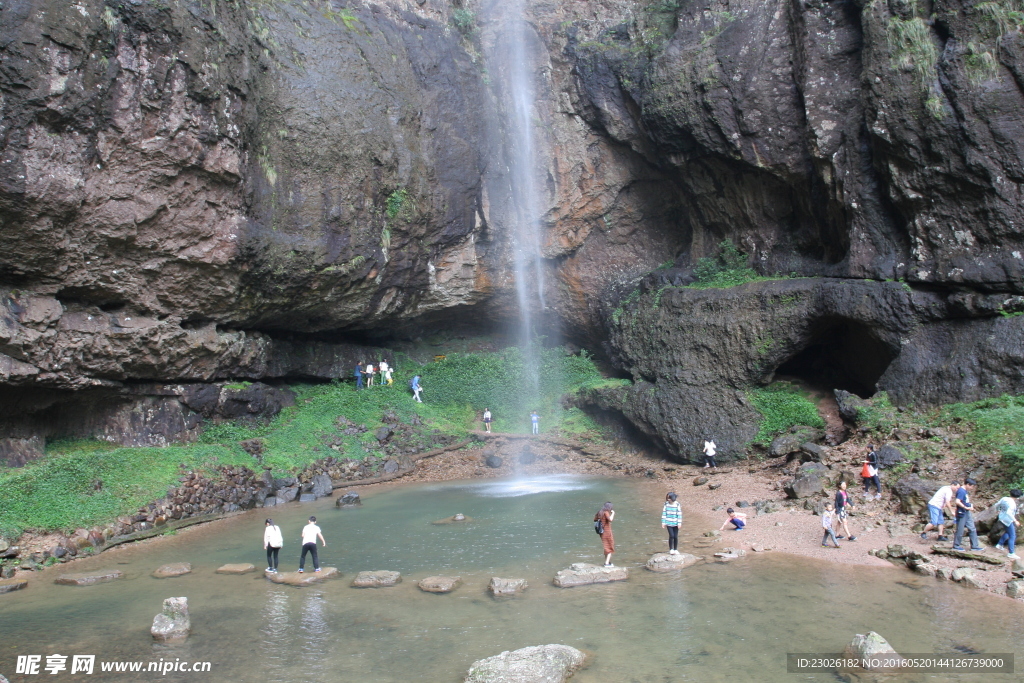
[671,519]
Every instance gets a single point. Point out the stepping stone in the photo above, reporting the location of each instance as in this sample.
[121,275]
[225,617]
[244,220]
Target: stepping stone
[663,562]
[440,584]
[507,586]
[89,578]
[730,554]
[582,574]
[304,578]
[11,585]
[173,623]
[376,579]
[171,570]
[538,664]
[236,568]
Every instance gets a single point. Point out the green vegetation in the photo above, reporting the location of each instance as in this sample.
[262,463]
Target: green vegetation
[629,301]
[464,21]
[85,483]
[996,425]
[728,269]
[782,406]
[396,202]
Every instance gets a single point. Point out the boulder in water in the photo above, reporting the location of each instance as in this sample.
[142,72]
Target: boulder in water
[664,562]
[376,579]
[870,647]
[11,585]
[173,623]
[306,578]
[440,584]
[288,494]
[89,578]
[236,568]
[171,570]
[507,586]
[350,499]
[582,574]
[306,498]
[536,664]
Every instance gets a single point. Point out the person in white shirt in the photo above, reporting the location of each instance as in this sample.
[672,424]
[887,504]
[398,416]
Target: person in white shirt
[942,500]
[272,543]
[310,533]
[385,372]
[709,454]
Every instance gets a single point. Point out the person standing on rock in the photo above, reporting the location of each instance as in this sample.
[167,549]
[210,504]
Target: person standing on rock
[942,500]
[827,518]
[869,473]
[605,516]
[965,516]
[416,388]
[487,420]
[535,421]
[273,541]
[842,508]
[709,454]
[1007,508]
[310,533]
[359,375]
[671,519]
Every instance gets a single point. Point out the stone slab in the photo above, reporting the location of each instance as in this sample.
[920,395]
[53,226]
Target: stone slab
[89,578]
[583,574]
[379,578]
[663,562]
[171,570]
[500,586]
[11,585]
[304,578]
[977,556]
[236,568]
[535,664]
[440,584]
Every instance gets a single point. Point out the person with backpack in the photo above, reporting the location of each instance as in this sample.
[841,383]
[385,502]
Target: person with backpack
[869,473]
[414,384]
[359,375]
[1007,508]
[603,527]
[672,519]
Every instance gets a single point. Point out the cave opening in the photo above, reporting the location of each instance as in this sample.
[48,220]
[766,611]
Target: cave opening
[842,354]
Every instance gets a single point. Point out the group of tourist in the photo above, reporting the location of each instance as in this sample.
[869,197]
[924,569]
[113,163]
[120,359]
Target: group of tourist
[273,541]
[955,499]
[368,372]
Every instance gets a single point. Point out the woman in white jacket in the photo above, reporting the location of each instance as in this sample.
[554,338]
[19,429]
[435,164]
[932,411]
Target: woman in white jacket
[272,542]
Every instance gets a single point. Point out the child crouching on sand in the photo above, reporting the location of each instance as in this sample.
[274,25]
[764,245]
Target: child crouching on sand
[827,520]
[737,519]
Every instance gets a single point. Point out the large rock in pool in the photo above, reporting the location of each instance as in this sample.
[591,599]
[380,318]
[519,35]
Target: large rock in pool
[440,584]
[536,664]
[870,646]
[663,562]
[236,568]
[507,586]
[582,574]
[376,579]
[89,578]
[11,585]
[173,623]
[350,499]
[304,578]
[171,570]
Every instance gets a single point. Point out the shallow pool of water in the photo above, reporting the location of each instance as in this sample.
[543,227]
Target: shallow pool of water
[713,622]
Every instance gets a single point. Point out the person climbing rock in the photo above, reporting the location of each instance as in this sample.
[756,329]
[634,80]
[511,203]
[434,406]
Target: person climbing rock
[671,519]
[310,533]
[487,420]
[605,516]
[273,541]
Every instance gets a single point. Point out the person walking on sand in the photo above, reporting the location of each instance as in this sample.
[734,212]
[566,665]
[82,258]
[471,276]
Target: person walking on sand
[672,519]
[842,510]
[1007,508]
[737,519]
[941,501]
[827,520]
[416,388]
[965,516]
[535,421]
[709,454]
[869,473]
[359,375]
[273,541]
[487,420]
[605,516]
[310,533]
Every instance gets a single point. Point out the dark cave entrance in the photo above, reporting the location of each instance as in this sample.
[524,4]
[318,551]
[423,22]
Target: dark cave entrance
[843,354]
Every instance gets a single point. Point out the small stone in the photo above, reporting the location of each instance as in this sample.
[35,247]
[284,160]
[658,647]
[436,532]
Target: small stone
[236,568]
[499,586]
[350,499]
[715,486]
[376,579]
[700,481]
[440,584]
[1015,589]
[712,534]
[493,461]
[173,623]
[757,548]
[168,571]
[742,504]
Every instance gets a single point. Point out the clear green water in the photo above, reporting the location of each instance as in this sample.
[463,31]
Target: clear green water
[714,622]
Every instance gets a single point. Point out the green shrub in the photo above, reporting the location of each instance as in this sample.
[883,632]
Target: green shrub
[782,406]
[997,425]
[464,21]
[728,269]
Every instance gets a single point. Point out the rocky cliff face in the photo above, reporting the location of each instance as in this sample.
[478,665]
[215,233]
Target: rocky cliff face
[194,191]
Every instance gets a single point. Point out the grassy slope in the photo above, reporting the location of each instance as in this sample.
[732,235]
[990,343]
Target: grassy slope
[60,492]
